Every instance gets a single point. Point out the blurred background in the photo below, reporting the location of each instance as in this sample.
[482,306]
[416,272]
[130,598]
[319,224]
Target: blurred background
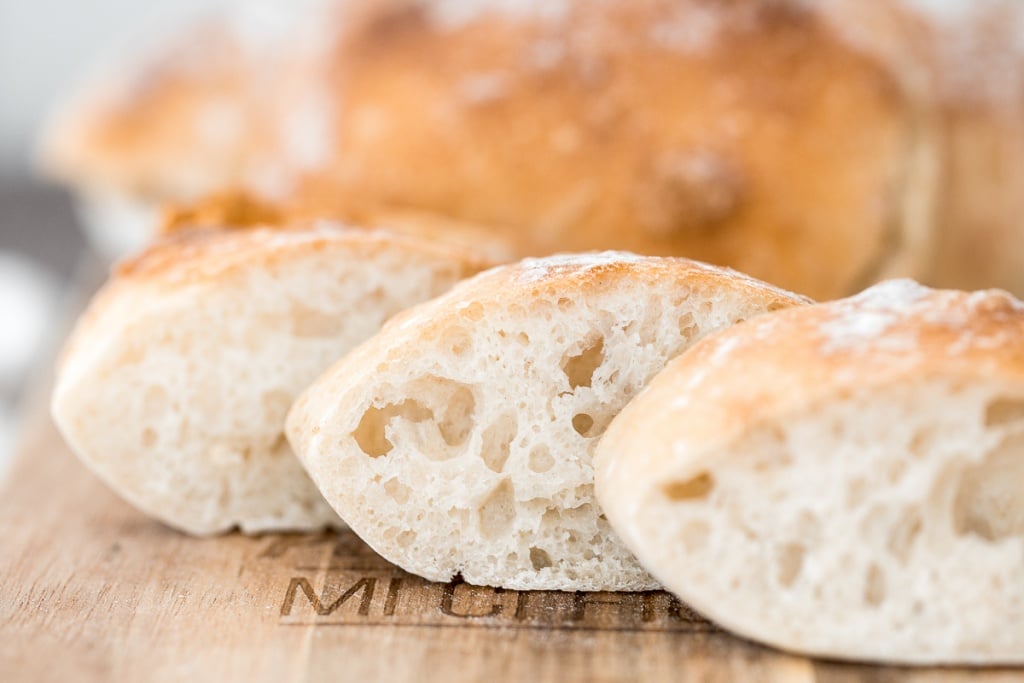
[44,46]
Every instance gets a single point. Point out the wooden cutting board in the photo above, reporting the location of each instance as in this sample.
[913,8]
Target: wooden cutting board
[91,590]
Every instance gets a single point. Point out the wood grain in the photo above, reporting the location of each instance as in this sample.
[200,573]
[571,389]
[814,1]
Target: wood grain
[91,590]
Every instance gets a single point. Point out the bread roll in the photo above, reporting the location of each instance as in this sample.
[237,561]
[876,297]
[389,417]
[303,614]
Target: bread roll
[175,384]
[744,133]
[839,480]
[458,440]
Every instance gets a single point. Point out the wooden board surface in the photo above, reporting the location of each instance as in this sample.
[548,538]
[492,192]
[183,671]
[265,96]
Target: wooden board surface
[91,590]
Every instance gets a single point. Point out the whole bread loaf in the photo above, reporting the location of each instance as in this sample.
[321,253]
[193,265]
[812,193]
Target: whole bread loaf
[749,134]
[840,480]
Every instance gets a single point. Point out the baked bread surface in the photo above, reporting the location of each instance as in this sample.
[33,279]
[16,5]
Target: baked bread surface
[459,439]
[174,386]
[840,480]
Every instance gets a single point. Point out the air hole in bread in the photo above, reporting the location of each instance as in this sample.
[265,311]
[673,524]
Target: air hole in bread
[790,563]
[414,420]
[370,433]
[497,510]
[459,342]
[903,534]
[148,437]
[540,459]
[874,586]
[520,337]
[457,422]
[582,423]
[406,538]
[497,441]
[688,327]
[473,312]
[694,488]
[988,501]
[1003,411]
[580,368]
[646,327]
[539,558]
[397,491]
[312,323]
[920,443]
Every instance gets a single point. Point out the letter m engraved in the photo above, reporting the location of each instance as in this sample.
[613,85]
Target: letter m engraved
[320,604]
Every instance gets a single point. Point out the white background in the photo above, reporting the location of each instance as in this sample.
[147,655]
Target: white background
[46,44]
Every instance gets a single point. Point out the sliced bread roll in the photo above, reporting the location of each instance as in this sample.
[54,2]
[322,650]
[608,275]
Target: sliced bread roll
[459,439]
[840,480]
[175,385]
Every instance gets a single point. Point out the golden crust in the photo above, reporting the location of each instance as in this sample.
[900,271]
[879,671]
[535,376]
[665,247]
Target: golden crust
[740,133]
[193,256]
[206,257]
[237,209]
[581,274]
[785,363]
[820,147]
[226,209]
[608,129]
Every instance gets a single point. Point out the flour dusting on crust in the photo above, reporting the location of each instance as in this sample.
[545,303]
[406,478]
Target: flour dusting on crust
[540,268]
[869,315]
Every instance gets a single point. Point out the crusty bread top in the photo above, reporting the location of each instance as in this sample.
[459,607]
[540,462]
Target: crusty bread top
[199,255]
[583,272]
[227,208]
[780,364]
[205,257]
[237,209]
